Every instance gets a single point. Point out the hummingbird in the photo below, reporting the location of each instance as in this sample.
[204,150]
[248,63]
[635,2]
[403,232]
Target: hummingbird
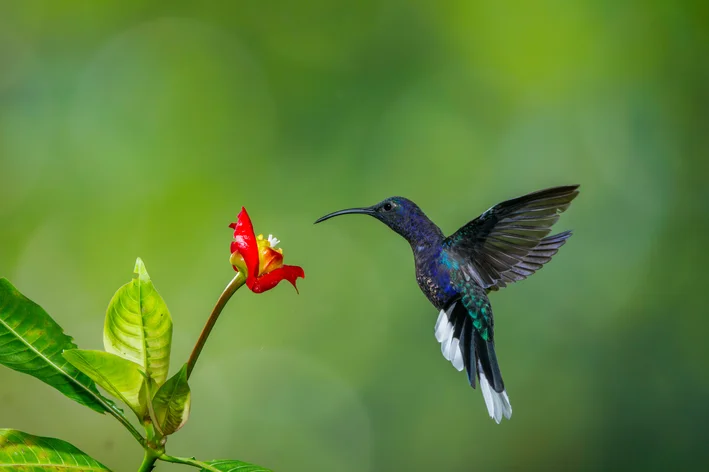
[507,243]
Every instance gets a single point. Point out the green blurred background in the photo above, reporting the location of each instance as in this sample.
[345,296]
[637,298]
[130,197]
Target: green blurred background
[130,128]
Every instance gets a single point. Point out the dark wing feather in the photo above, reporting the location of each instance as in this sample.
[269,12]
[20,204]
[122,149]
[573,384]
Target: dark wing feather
[509,242]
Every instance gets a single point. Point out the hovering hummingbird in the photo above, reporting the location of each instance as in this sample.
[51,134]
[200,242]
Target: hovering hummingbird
[507,243]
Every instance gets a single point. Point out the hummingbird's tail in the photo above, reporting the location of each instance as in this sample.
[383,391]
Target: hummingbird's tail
[488,371]
[464,346]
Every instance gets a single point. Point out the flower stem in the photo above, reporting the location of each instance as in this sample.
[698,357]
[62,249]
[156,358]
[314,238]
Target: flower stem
[230,289]
[188,461]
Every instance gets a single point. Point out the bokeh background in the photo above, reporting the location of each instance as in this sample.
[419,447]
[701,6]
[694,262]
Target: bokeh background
[132,128]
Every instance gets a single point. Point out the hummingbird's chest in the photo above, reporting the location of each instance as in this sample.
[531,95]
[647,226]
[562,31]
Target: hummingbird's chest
[433,278]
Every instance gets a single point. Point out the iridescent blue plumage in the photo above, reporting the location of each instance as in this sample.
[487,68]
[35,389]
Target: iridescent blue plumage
[505,244]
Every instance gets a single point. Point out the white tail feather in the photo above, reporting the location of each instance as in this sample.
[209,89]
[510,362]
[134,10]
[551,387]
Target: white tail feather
[450,345]
[458,359]
[443,327]
[498,404]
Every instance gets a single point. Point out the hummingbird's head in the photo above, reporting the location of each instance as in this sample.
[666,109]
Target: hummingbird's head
[398,213]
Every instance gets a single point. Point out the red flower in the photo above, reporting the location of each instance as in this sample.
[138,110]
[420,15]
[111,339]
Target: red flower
[257,259]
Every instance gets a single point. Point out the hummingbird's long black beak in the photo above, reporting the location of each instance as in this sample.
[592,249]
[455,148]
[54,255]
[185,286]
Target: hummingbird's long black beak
[349,211]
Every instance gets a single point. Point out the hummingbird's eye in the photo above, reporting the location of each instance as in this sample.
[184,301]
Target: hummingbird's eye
[387,207]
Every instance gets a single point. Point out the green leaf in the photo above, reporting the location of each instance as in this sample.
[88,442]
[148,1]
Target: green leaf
[31,342]
[172,403]
[236,466]
[120,377]
[138,326]
[22,451]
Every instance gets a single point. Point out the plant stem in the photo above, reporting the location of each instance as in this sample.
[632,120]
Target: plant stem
[148,460]
[230,289]
[188,461]
[124,421]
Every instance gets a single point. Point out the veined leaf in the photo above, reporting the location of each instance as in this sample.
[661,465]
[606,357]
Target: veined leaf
[138,326]
[31,342]
[172,403]
[120,377]
[25,452]
[235,466]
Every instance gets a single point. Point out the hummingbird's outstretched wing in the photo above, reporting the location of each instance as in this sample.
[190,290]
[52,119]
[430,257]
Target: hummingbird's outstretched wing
[510,241]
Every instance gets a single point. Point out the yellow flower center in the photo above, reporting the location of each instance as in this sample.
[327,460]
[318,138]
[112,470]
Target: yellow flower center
[269,258]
